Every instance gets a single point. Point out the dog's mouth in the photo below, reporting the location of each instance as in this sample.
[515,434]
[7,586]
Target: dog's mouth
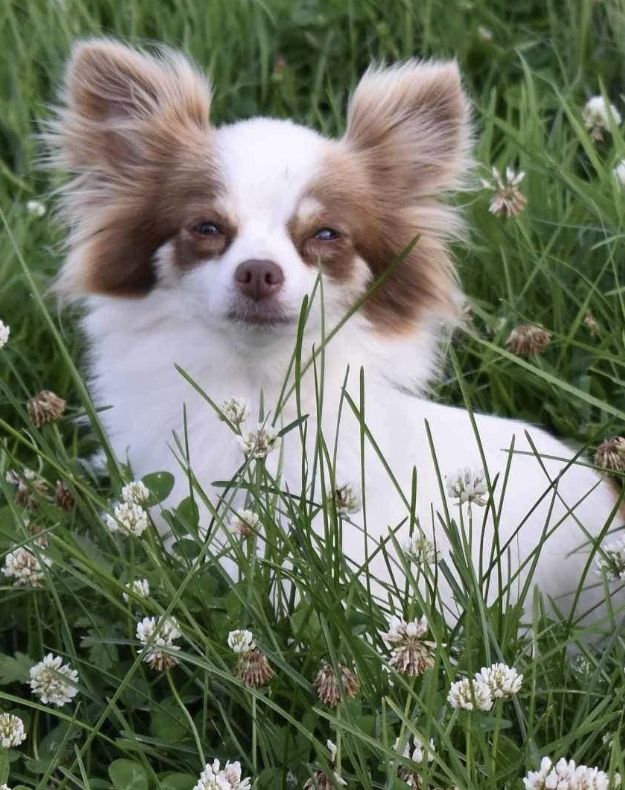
[265,313]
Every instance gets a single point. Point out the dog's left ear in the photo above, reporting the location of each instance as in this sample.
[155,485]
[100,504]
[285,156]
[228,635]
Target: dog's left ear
[410,126]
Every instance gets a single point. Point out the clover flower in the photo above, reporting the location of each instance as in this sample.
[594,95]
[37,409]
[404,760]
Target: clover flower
[63,497]
[420,550]
[54,682]
[25,568]
[135,493]
[468,485]
[36,208]
[597,115]
[5,333]
[610,455]
[158,635]
[346,500]
[411,654]
[528,339]
[566,775]
[241,641]
[128,518]
[502,681]
[46,406]
[140,587]
[330,690]
[320,779]
[259,443]
[254,669]
[235,410]
[245,523]
[418,751]
[213,777]
[12,732]
[467,694]
[611,560]
[29,487]
[508,200]
[591,323]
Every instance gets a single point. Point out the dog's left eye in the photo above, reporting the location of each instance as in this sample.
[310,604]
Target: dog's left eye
[206,228]
[327,234]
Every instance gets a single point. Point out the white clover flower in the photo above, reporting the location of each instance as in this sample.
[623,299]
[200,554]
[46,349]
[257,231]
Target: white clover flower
[468,485]
[259,443]
[611,560]
[12,732]
[36,208]
[420,550]
[5,787]
[332,749]
[214,777]
[566,775]
[158,634]
[596,115]
[469,694]
[5,333]
[503,681]
[416,749]
[619,172]
[54,682]
[508,200]
[235,410]
[135,493]
[411,654]
[241,641]
[140,587]
[23,566]
[346,499]
[245,523]
[128,518]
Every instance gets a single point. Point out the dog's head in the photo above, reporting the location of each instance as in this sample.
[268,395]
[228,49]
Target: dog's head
[239,218]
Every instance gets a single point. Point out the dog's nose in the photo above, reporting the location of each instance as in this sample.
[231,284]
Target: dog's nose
[258,280]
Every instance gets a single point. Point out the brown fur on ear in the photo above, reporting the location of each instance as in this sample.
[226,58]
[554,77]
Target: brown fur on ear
[134,131]
[410,126]
[408,136]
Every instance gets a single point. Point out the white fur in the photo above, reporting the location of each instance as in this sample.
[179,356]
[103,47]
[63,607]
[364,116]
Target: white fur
[135,343]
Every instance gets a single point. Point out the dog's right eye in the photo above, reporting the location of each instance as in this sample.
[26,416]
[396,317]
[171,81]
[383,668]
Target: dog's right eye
[206,228]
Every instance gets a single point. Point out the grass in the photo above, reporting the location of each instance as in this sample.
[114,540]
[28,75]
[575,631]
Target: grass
[132,727]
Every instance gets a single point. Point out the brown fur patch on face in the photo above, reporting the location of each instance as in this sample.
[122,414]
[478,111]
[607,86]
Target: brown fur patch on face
[407,140]
[135,133]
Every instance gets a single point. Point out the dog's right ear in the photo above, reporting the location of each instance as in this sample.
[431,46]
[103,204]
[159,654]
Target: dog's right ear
[124,107]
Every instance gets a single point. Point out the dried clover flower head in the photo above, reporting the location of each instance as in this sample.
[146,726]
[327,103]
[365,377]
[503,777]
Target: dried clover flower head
[411,654]
[254,669]
[508,200]
[29,487]
[328,685]
[610,455]
[63,497]
[528,339]
[45,407]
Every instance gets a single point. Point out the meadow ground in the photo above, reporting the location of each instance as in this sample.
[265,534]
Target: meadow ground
[530,66]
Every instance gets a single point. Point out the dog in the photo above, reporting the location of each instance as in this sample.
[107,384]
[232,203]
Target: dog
[203,254]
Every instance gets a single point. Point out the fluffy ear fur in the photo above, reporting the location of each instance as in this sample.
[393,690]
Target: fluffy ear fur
[410,125]
[121,104]
[134,131]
